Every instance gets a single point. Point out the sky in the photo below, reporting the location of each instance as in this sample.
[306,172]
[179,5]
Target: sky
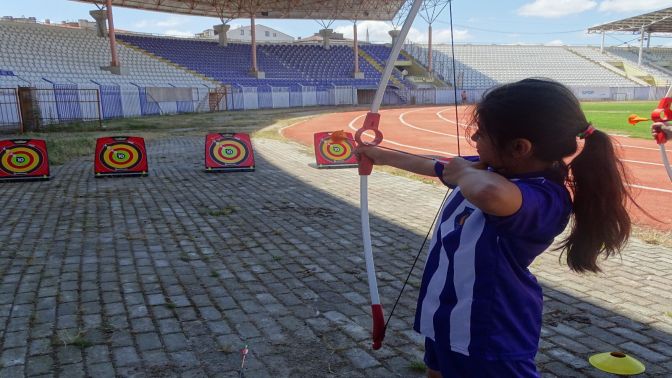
[551,22]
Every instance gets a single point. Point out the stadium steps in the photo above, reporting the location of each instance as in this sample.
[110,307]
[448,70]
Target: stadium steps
[633,71]
[418,74]
[380,68]
[613,66]
[169,62]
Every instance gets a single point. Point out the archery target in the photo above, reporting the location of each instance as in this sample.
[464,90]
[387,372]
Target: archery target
[20,159]
[228,152]
[120,156]
[23,159]
[329,153]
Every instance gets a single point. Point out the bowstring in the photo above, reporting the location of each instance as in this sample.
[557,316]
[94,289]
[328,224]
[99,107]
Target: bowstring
[445,197]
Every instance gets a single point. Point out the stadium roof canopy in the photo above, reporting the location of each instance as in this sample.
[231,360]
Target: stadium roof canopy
[296,9]
[653,22]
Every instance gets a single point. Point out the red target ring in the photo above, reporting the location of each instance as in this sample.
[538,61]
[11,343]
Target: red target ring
[20,160]
[335,152]
[120,156]
[228,151]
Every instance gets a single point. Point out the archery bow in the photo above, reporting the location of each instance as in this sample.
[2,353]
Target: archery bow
[371,123]
[662,114]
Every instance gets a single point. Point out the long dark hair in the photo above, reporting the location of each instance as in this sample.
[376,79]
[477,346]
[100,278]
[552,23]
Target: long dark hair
[548,115]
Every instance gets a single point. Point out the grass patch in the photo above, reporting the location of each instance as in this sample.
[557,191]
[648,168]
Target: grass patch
[77,339]
[613,116]
[653,236]
[69,141]
[224,211]
[418,366]
[64,147]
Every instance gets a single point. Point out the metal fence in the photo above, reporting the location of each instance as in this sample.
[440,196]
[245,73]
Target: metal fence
[10,114]
[29,109]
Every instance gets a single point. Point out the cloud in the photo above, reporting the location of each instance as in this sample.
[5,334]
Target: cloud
[555,8]
[633,6]
[179,33]
[555,42]
[378,33]
[162,24]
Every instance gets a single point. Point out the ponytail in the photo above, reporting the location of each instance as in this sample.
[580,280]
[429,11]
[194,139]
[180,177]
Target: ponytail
[601,224]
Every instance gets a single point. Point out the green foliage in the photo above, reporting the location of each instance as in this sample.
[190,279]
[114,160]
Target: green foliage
[227,210]
[418,366]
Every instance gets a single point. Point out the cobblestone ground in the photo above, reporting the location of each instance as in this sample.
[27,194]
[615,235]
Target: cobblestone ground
[170,275]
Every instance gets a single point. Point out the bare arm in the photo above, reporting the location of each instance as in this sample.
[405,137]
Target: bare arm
[491,192]
[399,160]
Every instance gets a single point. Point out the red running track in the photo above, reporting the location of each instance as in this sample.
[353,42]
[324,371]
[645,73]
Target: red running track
[432,131]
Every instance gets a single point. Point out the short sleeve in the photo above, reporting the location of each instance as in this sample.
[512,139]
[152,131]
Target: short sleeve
[438,170]
[543,214]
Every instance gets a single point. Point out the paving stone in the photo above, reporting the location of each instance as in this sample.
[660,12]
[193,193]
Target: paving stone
[13,356]
[148,341]
[360,359]
[96,354]
[39,365]
[101,370]
[125,356]
[163,287]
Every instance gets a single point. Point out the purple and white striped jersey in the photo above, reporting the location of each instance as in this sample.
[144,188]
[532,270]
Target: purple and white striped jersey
[477,296]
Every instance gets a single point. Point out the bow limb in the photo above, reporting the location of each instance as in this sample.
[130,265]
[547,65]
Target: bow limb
[663,114]
[666,162]
[371,123]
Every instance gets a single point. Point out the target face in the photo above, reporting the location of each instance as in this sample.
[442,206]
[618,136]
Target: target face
[229,151]
[20,159]
[336,152]
[120,156]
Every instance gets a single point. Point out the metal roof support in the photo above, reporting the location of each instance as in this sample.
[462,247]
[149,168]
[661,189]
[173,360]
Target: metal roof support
[602,43]
[355,46]
[641,46]
[254,70]
[113,40]
[648,40]
[429,50]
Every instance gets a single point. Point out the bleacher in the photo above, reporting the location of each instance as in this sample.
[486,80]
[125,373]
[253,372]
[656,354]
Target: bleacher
[482,66]
[36,54]
[283,65]
[381,53]
[652,59]
[39,54]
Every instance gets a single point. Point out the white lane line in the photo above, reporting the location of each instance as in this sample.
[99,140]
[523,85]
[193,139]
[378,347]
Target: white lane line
[282,129]
[622,145]
[464,126]
[642,162]
[352,127]
[403,121]
[650,188]
[643,148]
